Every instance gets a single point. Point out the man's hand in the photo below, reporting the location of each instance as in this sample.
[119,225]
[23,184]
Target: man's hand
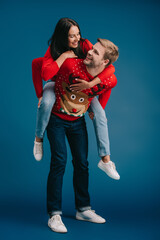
[81,85]
[39,102]
[91,115]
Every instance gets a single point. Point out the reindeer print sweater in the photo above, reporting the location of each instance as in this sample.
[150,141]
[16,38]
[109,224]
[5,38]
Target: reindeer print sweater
[71,105]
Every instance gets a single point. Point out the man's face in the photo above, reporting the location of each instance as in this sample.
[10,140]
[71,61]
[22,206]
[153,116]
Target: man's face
[95,56]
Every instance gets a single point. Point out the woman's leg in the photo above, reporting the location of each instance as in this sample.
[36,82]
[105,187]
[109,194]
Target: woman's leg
[102,136]
[44,110]
[101,128]
[43,116]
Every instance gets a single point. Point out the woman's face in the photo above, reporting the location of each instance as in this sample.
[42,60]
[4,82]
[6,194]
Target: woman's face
[73,37]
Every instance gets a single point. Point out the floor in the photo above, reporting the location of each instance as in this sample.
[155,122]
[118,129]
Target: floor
[26,220]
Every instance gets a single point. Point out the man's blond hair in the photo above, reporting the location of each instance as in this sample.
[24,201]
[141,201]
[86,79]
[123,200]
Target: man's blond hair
[111,50]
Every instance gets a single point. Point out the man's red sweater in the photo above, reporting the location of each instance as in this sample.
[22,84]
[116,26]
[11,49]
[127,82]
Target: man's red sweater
[72,105]
[46,68]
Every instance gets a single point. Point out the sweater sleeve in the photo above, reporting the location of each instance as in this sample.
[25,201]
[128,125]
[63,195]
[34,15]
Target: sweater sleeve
[110,82]
[49,66]
[107,72]
[36,76]
[104,97]
[86,45]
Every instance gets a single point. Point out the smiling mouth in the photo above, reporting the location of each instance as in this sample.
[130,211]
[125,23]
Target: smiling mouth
[87,58]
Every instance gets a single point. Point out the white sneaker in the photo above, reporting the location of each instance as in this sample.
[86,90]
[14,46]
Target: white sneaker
[109,168]
[56,224]
[90,216]
[38,150]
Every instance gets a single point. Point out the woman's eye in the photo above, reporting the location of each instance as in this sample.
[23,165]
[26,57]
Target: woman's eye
[81,100]
[73,97]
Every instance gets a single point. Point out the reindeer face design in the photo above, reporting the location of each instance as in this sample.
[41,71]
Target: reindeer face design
[75,104]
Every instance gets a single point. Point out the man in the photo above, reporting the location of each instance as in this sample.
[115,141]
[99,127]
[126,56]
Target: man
[67,120]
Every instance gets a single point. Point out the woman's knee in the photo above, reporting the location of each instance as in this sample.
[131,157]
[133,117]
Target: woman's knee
[48,98]
[47,103]
[49,86]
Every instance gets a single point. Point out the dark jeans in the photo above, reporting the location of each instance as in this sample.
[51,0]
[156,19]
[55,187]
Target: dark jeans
[76,133]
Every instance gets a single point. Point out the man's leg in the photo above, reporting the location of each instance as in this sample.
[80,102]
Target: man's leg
[56,136]
[78,140]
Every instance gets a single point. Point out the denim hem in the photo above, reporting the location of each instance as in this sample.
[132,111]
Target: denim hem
[39,135]
[103,154]
[82,209]
[55,213]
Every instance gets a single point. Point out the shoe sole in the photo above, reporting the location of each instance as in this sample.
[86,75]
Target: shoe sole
[54,230]
[87,220]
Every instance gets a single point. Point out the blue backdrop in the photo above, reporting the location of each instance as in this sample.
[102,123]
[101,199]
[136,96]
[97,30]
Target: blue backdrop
[130,205]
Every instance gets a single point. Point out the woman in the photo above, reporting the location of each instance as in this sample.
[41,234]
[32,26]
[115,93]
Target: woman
[66,42]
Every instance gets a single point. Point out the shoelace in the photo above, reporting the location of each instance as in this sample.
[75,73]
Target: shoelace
[57,218]
[113,165]
[93,211]
[38,148]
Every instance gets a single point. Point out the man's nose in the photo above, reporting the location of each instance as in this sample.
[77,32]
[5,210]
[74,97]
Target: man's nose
[90,52]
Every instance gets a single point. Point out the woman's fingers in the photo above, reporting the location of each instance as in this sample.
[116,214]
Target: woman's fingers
[76,87]
[81,85]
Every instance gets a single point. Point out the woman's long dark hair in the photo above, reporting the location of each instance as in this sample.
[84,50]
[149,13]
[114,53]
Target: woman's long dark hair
[59,40]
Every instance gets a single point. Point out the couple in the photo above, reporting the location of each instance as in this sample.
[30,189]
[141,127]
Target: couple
[73,98]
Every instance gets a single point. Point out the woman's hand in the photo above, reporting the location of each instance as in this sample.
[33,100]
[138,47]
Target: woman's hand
[64,56]
[91,115]
[69,54]
[81,85]
[39,102]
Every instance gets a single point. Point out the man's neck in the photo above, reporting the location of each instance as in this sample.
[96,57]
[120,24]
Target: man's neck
[94,71]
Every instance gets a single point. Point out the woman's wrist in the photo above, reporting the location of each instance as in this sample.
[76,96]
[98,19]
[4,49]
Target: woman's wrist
[94,82]
[90,84]
[61,59]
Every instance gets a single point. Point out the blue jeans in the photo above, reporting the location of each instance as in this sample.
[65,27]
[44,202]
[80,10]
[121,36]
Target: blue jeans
[99,121]
[100,127]
[76,133]
[44,111]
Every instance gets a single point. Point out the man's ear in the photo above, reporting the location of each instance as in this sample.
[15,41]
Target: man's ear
[106,61]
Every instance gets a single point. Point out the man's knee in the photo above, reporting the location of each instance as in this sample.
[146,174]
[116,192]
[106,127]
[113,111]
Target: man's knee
[80,165]
[58,165]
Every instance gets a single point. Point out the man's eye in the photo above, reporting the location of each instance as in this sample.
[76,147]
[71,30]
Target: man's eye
[73,97]
[81,100]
